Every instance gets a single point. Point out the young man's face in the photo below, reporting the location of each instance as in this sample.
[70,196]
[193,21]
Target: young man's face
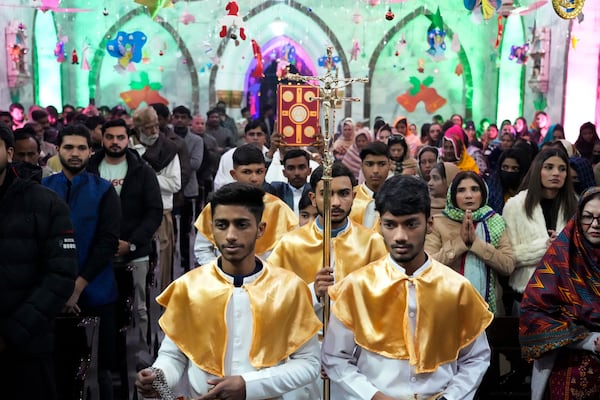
[26,150]
[253,174]
[296,170]
[180,120]
[342,196]
[375,169]
[256,137]
[235,231]
[74,153]
[405,237]
[115,141]
[307,215]
[198,125]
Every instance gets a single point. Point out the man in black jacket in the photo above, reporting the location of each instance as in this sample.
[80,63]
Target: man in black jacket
[38,266]
[141,214]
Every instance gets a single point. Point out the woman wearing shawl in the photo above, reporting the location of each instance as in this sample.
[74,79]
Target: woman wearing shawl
[352,157]
[560,312]
[555,132]
[402,162]
[454,150]
[427,157]
[588,137]
[582,174]
[346,139]
[471,238]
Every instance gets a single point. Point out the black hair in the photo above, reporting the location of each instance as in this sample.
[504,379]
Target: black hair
[93,121]
[295,153]
[401,140]
[379,122]
[161,110]
[7,136]
[255,123]
[248,154]
[182,110]
[211,112]
[338,169]
[374,149]
[403,195]
[52,111]
[240,194]
[74,130]
[36,115]
[461,176]
[305,201]
[114,123]
[16,105]
[518,154]
[6,114]
[27,133]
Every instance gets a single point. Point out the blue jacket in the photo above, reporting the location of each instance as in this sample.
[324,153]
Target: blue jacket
[283,191]
[96,214]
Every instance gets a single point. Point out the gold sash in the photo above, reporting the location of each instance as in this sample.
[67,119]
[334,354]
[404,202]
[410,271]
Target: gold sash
[373,304]
[196,307]
[301,250]
[279,218]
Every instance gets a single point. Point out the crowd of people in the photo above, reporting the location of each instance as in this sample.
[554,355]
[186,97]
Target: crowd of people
[197,245]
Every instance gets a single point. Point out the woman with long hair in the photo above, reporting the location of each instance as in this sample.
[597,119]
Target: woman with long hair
[537,213]
[560,312]
[402,162]
[471,238]
[588,137]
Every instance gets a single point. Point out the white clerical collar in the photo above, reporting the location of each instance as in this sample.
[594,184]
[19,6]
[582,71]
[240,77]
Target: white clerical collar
[417,272]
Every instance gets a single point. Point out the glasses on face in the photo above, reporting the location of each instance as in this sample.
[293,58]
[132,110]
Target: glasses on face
[588,219]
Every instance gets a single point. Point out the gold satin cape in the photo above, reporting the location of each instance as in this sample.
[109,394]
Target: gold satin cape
[373,303]
[196,307]
[279,218]
[362,199]
[301,250]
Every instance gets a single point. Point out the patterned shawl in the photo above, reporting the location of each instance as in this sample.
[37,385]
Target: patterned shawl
[561,303]
[489,226]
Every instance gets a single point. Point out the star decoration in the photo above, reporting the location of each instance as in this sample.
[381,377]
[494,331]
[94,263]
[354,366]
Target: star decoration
[436,20]
[154,6]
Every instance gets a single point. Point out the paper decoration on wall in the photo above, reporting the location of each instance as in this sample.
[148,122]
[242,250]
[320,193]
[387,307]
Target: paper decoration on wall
[519,53]
[459,69]
[59,51]
[258,71]
[16,51]
[400,45]
[127,48]
[357,17]
[143,91]
[288,53]
[421,65]
[355,51]
[455,45]
[210,53]
[85,65]
[233,23]
[421,92]
[52,5]
[324,63]
[74,57]
[574,41]
[500,31]
[187,18]
[436,35]
[486,7]
[154,6]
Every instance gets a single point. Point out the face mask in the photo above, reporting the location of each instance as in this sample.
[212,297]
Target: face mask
[148,140]
[510,179]
[595,158]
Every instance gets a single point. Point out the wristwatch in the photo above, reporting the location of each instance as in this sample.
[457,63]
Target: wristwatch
[132,247]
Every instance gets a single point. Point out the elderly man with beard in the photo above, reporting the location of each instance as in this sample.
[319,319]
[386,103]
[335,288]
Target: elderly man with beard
[96,215]
[161,154]
[141,204]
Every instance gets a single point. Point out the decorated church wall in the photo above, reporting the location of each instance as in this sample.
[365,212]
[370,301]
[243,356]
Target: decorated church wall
[421,57]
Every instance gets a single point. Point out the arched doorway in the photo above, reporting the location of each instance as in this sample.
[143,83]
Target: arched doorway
[276,54]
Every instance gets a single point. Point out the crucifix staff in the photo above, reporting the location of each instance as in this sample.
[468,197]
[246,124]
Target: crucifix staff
[329,85]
